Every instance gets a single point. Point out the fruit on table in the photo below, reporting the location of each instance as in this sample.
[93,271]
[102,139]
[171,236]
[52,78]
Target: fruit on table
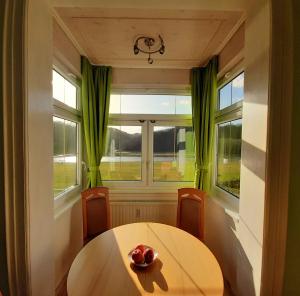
[137,256]
[141,247]
[149,255]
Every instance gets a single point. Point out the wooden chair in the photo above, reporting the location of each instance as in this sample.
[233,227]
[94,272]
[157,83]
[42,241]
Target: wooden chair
[190,211]
[95,212]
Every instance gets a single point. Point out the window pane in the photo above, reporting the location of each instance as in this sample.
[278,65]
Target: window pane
[238,88]
[65,158]
[58,87]
[150,104]
[123,157]
[173,154]
[64,173]
[183,105]
[63,90]
[59,138]
[70,94]
[229,156]
[58,175]
[70,137]
[232,92]
[115,104]
[225,96]
[147,104]
[70,171]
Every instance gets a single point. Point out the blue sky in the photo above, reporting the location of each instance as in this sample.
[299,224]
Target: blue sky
[150,104]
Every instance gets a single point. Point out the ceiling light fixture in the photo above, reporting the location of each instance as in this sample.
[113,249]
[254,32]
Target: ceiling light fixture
[147,45]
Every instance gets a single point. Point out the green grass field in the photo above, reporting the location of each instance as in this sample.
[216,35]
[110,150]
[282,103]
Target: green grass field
[228,174]
[64,176]
[163,171]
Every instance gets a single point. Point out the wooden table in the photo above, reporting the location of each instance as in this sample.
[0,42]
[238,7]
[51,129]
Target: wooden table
[185,266]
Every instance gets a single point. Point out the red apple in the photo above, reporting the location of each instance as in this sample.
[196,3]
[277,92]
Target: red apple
[149,255]
[141,247]
[137,256]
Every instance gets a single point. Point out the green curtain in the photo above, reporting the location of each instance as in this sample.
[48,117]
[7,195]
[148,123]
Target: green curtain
[95,96]
[204,90]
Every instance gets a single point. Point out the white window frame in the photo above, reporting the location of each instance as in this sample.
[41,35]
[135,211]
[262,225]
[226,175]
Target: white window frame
[163,122]
[66,112]
[230,113]
[130,184]
[147,184]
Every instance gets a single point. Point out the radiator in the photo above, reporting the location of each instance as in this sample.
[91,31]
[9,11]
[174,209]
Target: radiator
[124,212]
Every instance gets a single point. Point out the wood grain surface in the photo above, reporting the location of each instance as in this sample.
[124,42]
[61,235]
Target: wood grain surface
[185,266]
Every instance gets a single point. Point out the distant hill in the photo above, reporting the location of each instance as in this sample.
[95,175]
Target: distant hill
[124,141]
[163,140]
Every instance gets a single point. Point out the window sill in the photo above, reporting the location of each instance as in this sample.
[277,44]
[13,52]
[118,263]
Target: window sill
[143,194]
[143,185]
[227,201]
[138,188]
[66,200]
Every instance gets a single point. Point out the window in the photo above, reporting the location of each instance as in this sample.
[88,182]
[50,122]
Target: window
[149,141]
[123,159]
[232,92]
[65,157]
[150,104]
[173,154]
[229,135]
[66,120]
[63,90]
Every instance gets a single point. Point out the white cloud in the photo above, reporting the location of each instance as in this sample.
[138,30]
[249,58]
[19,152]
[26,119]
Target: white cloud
[184,102]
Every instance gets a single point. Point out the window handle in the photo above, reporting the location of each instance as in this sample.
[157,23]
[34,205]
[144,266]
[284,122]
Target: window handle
[152,121]
[141,120]
[84,166]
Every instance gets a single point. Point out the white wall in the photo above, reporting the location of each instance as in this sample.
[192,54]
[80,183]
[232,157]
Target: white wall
[65,55]
[254,136]
[126,78]
[39,146]
[221,223]
[232,50]
[67,237]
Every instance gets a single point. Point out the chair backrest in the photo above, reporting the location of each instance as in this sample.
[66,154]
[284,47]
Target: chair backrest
[95,212]
[190,211]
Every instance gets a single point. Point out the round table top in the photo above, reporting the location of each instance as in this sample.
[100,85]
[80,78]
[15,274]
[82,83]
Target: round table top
[184,266]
